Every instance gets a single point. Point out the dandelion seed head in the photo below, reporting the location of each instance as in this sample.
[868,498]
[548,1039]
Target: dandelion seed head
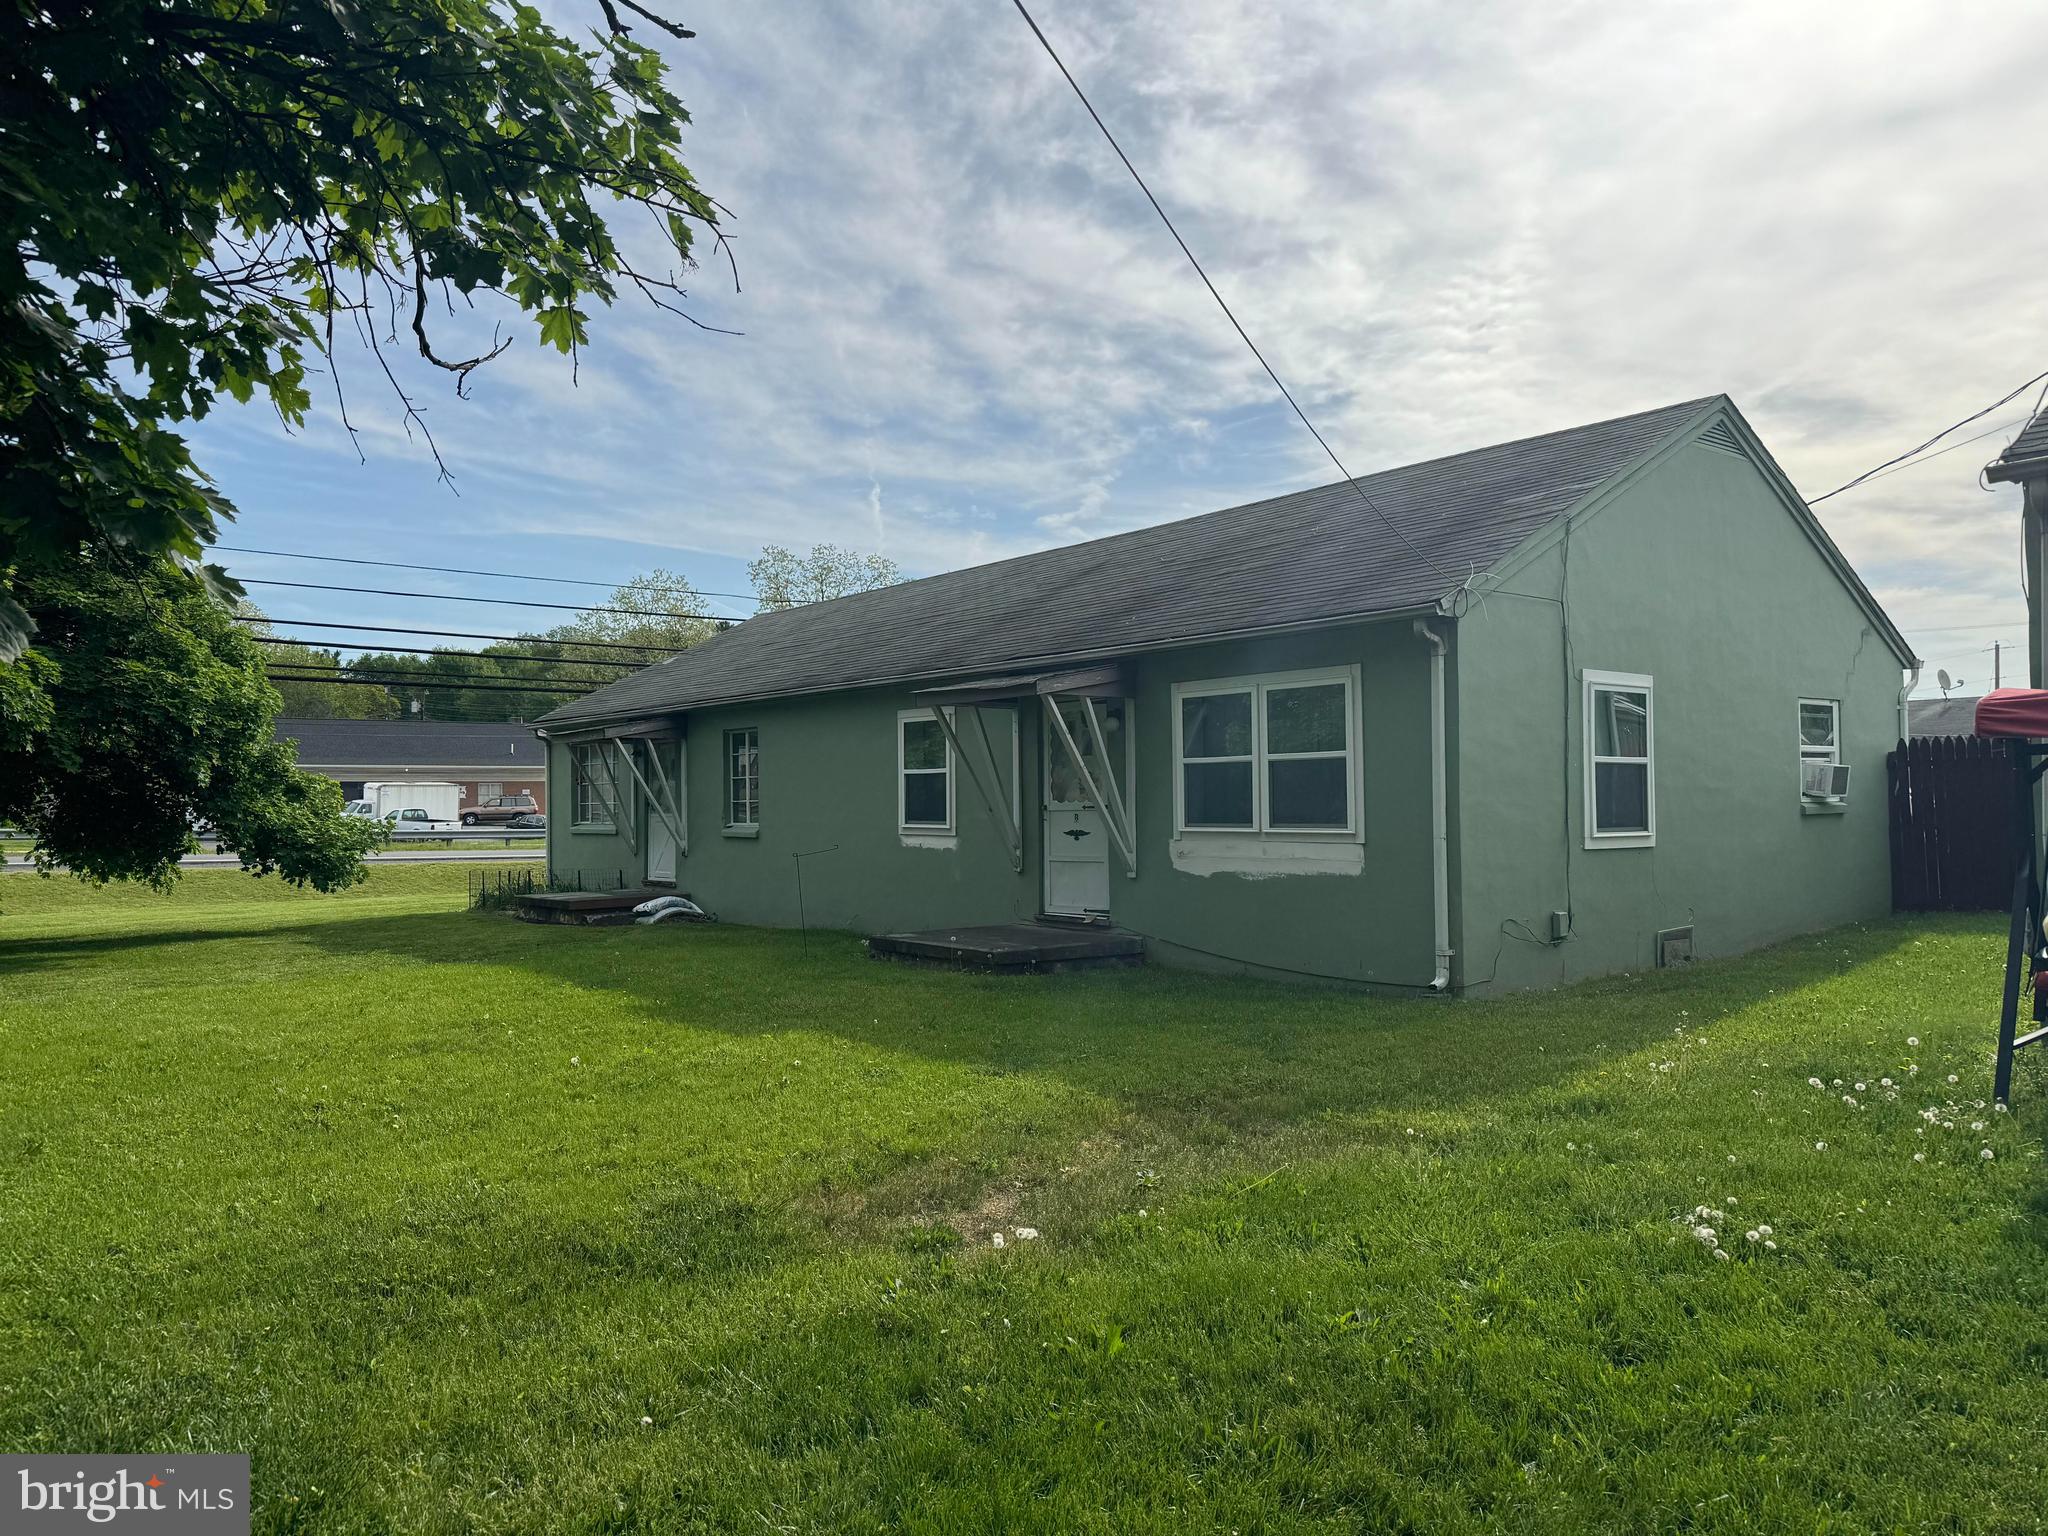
[1986,1154]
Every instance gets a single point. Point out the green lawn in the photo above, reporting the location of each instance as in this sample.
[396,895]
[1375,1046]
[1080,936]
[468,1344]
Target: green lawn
[463,1225]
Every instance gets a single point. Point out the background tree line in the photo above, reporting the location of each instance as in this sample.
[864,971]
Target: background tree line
[459,683]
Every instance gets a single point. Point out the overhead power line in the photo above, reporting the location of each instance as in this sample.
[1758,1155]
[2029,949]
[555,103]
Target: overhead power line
[460,570]
[2010,394]
[319,643]
[368,682]
[1243,335]
[396,676]
[458,634]
[502,602]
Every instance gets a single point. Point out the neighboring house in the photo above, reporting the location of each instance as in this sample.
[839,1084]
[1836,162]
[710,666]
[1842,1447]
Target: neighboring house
[1942,717]
[485,759]
[1566,710]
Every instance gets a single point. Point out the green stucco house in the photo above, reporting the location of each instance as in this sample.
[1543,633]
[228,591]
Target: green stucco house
[1593,701]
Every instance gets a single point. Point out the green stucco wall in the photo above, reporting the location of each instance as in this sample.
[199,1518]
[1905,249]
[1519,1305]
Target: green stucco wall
[828,776]
[1697,574]
[1691,570]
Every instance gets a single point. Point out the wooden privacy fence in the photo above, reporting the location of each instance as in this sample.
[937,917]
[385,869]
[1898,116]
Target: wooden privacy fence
[1952,823]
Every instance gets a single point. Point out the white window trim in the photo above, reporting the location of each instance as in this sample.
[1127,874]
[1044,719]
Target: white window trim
[753,822]
[1831,753]
[1631,682]
[598,820]
[924,834]
[1260,832]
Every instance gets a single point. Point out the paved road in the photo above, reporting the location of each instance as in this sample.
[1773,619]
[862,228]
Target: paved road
[16,864]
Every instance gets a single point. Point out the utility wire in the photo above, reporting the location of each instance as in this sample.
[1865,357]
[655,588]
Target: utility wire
[421,650]
[502,602]
[457,634]
[366,682]
[459,570]
[2011,394]
[1243,335]
[393,677]
[1928,458]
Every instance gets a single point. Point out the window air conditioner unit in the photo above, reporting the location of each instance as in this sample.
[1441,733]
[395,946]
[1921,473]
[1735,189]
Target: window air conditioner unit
[1824,781]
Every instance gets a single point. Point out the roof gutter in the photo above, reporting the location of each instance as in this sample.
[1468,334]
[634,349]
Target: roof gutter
[1431,607]
[2033,467]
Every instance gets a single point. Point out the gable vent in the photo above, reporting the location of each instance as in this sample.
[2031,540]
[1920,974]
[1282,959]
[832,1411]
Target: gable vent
[1722,436]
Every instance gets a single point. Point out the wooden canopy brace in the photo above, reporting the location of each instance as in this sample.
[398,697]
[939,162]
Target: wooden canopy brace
[1006,820]
[662,805]
[1111,804]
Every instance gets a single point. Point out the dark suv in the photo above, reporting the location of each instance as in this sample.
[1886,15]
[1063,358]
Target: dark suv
[498,808]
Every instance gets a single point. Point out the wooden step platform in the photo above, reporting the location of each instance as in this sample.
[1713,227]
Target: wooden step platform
[586,908]
[1013,947]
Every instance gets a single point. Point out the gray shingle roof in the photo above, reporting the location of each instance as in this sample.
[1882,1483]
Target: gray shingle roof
[1942,717]
[1311,556]
[413,744]
[2025,455]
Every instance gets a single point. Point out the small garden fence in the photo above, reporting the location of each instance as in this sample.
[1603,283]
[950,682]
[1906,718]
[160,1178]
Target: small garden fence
[1952,824]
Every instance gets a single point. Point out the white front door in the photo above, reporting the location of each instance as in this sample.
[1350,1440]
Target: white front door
[1076,840]
[661,838]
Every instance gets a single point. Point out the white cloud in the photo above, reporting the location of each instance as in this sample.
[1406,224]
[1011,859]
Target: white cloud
[1444,226]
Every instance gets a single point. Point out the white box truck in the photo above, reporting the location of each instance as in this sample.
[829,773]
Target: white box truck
[412,805]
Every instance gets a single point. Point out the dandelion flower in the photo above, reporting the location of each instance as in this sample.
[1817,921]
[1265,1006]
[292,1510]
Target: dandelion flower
[1976,1125]
[1704,1234]
[1571,1146]
[1838,1082]
[1769,1246]
[1986,1154]
[1884,1082]
[1820,1146]
[996,1238]
[1027,1234]
[1912,1039]
[1813,1082]
[1862,1087]
[1919,1157]
[1999,1107]
[1752,1236]
[1721,1254]
[1953,1078]
[1764,1227]
[645,1419]
[1849,1099]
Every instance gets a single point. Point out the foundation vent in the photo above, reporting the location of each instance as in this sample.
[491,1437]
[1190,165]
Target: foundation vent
[1674,947]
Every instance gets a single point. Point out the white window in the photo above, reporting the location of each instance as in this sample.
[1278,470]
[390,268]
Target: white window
[590,785]
[924,774]
[1621,770]
[1268,755]
[743,778]
[489,791]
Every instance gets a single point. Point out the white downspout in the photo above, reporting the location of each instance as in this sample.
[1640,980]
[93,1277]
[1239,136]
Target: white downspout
[1439,809]
[1905,716]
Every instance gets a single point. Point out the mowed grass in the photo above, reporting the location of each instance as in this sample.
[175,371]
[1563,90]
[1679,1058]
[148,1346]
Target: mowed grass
[459,1224]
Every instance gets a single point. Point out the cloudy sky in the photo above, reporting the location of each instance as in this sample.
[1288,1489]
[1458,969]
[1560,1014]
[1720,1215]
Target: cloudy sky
[966,335]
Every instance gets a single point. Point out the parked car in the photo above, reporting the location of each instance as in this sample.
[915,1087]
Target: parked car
[499,809]
[532,822]
[360,808]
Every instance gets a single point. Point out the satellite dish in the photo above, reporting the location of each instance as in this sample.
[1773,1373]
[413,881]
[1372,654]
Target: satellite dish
[1941,680]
